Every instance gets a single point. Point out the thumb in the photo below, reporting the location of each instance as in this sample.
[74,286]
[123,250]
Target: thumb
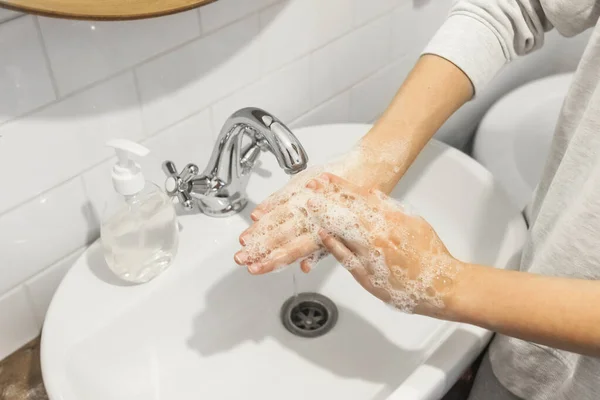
[341,223]
[339,251]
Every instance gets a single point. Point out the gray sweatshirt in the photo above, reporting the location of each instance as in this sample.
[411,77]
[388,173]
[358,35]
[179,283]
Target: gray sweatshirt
[480,36]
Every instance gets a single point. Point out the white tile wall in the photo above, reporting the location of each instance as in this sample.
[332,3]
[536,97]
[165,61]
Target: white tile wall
[366,10]
[66,87]
[42,231]
[284,93]
[24,77]
[223,12]
[294,28]
[65,138]
[413,24]
[370,97]
[6,15]
[82,52]
[336,110]
[347,60]
[193,76]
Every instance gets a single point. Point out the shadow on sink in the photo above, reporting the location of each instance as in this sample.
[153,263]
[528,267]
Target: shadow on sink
[248,311]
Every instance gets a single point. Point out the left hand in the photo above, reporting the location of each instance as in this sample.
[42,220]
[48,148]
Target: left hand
[396,256]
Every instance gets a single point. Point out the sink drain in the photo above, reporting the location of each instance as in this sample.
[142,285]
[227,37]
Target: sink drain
[309,315]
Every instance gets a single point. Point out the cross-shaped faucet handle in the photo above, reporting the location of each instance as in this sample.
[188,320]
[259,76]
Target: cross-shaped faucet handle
[178,184]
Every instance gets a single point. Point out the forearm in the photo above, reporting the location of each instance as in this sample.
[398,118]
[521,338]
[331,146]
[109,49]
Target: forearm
[557,312]
[431,93]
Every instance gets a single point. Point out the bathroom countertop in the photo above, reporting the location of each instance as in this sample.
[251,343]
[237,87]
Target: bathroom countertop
[21,376]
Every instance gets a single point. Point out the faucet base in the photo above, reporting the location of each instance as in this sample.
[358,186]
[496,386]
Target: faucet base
[222,207]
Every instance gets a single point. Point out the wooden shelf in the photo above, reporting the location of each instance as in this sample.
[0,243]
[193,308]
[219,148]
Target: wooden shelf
[102,9]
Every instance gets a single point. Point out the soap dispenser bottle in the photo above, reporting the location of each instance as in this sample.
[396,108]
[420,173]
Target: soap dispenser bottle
[139,232]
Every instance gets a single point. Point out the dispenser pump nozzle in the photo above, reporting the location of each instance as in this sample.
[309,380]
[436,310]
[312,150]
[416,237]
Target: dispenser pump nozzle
[127,175]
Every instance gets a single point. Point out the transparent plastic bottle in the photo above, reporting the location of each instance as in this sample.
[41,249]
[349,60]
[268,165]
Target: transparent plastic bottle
[139,234]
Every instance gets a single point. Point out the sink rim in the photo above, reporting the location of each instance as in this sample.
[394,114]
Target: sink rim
[425,380]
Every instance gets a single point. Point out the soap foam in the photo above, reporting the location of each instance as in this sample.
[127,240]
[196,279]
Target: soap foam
[425,273]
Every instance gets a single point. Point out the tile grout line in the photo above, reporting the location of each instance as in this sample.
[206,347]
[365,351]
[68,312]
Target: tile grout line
[140,104]
[173,49]
[149,134]
[229,23]
[53,81]
[19,15]
[188,116]
[89,168]
[352,86]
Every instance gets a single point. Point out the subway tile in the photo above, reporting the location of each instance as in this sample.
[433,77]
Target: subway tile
[220,13]
[415,23]
[367,10]
[17,322]
[336,110]
[370,98]
[25,82]
[349,59]
[7,15]
[43,230]
[48,147]
[283,93]
[295,27]
[183,82]
[42,286]
[189,141]
[82,52]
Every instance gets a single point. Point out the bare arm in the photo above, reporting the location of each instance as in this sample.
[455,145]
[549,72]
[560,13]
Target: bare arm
[557,312]
[431,93]
[478,38]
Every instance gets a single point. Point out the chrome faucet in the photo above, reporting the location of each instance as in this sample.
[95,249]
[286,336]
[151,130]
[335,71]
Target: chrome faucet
[221,189]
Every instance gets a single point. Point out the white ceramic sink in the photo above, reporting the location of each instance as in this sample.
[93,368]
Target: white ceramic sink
[206,329]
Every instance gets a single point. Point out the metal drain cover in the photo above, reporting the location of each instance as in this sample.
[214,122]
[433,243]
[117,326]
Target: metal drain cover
[309,315]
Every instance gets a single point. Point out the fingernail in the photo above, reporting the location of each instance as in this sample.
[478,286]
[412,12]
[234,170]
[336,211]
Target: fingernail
[242,241]
[254,268]
[240,258]
[254,215]
[311,184]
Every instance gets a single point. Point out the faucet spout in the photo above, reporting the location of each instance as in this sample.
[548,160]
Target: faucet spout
[266,133]
[223,183]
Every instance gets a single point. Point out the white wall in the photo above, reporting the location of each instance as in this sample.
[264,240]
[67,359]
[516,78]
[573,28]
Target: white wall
[66,87]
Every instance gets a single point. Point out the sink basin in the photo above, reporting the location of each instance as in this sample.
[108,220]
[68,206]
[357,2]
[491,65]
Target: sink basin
[206,329]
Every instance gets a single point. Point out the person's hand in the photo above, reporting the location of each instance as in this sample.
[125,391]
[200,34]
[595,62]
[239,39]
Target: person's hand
[396,256]
[282,233]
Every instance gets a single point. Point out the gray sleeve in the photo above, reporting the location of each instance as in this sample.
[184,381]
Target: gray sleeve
[480,36]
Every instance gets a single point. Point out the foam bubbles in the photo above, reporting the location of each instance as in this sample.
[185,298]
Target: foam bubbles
[417,273]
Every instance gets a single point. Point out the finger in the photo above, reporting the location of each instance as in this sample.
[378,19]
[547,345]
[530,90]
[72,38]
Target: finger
[264,207]
[306,266]
[293,251]
[339,251]
[341,226]
[272,220]
[275,200]
[311,261]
